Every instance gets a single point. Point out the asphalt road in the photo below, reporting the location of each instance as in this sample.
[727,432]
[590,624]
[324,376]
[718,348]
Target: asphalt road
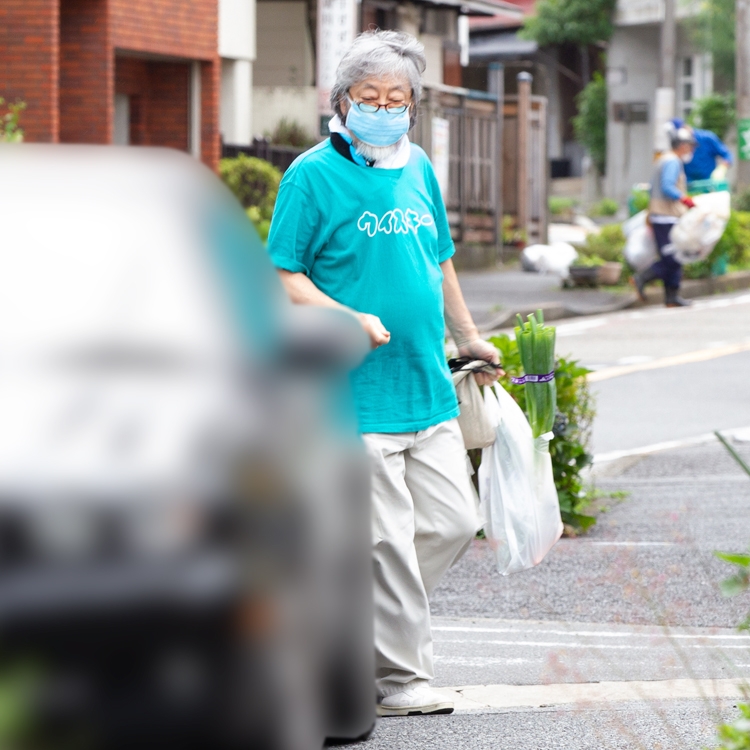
[652,403]
[621,638]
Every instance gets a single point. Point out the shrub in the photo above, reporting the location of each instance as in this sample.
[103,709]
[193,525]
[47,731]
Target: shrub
[741,202]
[10,132]
[590,124]
[291,133]
[255,183]
[736,736]
[715,112]
[605,207]
[734,245]
[639,200]
[569,449]
[559,205]
[607,245]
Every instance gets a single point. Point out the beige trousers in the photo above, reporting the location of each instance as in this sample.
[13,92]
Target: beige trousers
[425,514]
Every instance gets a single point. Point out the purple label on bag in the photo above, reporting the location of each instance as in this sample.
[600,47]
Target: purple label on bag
[534,378]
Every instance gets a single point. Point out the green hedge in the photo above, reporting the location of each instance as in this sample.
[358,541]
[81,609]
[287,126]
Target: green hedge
[255,183]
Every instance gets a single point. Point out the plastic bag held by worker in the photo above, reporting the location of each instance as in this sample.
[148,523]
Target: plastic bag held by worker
[696,233]
[640,248]
[517,489]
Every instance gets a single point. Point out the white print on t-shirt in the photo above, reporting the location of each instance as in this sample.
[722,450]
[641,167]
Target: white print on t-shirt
[395,221]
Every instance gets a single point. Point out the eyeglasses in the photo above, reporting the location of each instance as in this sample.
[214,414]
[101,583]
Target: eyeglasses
[391,109]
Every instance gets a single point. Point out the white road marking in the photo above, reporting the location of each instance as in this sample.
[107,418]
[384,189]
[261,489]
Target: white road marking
[483,697]
[593,633]
[708,437]
[587,646]
[629,544]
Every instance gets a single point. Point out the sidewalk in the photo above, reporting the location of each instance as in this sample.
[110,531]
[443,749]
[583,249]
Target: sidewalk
[495,296]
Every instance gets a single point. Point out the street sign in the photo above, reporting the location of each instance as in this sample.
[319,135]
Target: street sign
[743,139]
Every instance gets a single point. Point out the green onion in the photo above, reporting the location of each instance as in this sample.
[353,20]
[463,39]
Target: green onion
[536,345]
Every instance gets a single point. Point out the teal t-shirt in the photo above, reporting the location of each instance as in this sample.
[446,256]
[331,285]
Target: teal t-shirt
[373,240]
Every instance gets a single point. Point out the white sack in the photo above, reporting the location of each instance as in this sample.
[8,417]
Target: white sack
[555,258]
[696,233]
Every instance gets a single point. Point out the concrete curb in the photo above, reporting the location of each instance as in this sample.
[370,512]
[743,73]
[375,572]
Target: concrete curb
[690,289]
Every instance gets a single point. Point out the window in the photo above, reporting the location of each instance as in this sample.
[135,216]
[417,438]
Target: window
[694,81]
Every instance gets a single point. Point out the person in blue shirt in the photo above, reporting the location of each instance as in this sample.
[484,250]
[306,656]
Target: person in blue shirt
[360,225]
[669,200]
[710,153]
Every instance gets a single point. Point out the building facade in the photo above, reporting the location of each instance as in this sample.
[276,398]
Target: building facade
[141,72]
[287,69]
[633,65]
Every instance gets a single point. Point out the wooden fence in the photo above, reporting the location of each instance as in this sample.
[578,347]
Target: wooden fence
[491,160]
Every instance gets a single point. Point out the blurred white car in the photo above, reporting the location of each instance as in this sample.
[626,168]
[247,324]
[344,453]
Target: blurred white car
[184,504]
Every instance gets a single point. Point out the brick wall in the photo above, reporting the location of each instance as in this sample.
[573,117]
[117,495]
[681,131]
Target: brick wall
[29,63]
[159,104]
[183,28]
[86,72]
[168,105]
[210,95]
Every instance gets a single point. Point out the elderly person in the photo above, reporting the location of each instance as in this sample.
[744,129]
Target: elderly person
[669,201]
[360,225]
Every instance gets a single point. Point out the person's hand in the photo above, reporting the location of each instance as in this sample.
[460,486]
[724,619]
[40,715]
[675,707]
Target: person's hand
[480,349]
[686,200]
[374,328]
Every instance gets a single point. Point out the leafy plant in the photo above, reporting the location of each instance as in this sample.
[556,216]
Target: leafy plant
[590,124]
[605,207]
[255,183]
[741,201]
[559,205]
[639,200]
[607,245]
[588,261]
[736,736]
[572,428]
[10,132]
[291,133]
[581,22]
[715,112]
[513,234]
[734,245]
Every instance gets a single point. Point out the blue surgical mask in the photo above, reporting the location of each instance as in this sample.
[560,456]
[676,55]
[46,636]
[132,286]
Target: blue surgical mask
[377,128]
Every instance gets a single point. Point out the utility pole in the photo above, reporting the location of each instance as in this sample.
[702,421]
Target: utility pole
[665,94]
[742,83]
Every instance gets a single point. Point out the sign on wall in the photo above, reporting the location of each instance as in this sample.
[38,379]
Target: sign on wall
[441,152]
[743,139]
[337,25]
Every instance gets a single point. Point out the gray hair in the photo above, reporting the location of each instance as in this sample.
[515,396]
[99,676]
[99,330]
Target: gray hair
[380,54]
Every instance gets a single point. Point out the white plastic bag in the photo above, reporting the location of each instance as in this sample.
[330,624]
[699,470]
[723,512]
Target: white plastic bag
[477,429]
[517,489]
[640,248]
[555,258]
[696,233]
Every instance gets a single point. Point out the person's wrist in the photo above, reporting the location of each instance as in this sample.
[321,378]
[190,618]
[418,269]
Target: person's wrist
[464,340]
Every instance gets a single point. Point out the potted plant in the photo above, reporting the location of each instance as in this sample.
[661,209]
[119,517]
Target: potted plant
[585,271]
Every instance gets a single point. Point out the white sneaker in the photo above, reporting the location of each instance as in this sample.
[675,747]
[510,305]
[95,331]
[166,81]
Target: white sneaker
[415,701]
